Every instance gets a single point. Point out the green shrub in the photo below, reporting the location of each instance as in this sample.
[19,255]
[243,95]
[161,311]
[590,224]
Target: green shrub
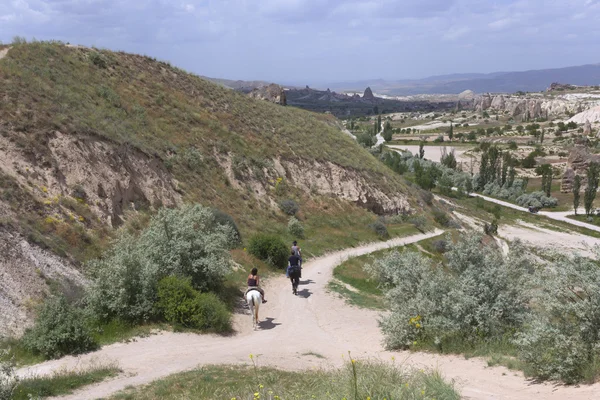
[477,295]
[177,301]
[441,217]
[59,330]
[180,304]
[212,314]
[296,228]
[8,379]
[269,248]
[185,242]
[563,340]
[380,229]
[223,218]
[289,206]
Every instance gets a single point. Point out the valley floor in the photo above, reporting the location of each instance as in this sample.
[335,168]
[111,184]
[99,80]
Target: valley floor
[313,329]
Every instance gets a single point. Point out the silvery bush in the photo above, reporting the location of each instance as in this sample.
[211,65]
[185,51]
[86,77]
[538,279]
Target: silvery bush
[186,242]
[562,341]
[477,294]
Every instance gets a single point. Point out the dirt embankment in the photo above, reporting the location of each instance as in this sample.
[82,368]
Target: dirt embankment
[26,271]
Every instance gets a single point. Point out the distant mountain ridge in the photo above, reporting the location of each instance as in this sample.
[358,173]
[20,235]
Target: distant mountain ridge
[495,82]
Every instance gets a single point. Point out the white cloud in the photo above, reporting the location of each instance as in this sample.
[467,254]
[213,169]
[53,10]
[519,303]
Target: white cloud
[500,24]
[456,33]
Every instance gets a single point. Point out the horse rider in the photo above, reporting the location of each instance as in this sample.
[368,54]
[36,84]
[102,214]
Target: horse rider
[254,284]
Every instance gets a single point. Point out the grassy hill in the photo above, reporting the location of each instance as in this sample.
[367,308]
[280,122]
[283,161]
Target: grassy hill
[94,139]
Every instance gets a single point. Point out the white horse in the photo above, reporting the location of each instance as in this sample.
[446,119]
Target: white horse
[254,299]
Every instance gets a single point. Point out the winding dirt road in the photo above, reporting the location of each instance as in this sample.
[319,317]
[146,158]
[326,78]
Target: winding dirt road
[313,329]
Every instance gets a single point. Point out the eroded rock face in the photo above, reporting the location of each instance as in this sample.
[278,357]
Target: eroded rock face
[106,176]
[587,128]
[24,272]
[577,164]
[273,93]
[319,178]
[326,178]
[523,107]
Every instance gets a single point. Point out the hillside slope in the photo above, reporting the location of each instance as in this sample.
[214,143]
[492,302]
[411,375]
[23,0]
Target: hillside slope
[93,140]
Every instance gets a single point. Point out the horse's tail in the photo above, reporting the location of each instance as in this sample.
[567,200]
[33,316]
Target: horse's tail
[252,300]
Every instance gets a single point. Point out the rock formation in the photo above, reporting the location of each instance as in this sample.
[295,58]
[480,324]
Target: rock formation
[587,116]
[555,86]
[273,93]
[579,160]
[587,128]
[518,107]
[368,95]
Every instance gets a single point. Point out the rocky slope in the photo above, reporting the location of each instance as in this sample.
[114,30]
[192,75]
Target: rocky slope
[535,105]
[94,140]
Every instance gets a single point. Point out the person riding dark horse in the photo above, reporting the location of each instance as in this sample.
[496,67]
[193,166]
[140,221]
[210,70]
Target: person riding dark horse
[293,271]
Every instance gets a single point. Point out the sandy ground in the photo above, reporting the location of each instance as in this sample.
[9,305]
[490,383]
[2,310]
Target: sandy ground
[322,323]
[434,153]
[542,238]
[4,52]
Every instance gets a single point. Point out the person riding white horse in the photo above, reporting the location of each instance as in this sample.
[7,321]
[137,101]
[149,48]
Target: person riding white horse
[254,284]
[254,296]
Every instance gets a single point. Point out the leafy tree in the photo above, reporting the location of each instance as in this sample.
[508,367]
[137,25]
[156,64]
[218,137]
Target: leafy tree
[592,187]
[187,242]
[449,160]
[545,171]
[576,193]
[542,135]
[451,132]
[421,150]
[387,131]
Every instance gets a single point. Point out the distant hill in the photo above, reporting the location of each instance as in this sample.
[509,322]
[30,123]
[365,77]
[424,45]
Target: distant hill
[496,82]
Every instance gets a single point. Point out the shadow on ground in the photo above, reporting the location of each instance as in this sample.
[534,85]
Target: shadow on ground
[268,323]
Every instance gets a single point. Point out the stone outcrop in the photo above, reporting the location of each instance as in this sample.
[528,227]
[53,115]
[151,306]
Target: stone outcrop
[520,107]
[587,116]
[555,86]
[106,176]
[577,164]
[273,93]
[25,273]
[368,95]
[587,128]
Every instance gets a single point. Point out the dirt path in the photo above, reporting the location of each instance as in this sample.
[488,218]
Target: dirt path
[555,215]
[324,329]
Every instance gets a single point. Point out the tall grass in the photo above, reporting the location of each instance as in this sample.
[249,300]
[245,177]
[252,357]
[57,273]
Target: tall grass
[356,380]
[62,382]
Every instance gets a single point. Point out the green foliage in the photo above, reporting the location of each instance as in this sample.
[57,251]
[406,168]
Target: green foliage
[529,161]
[180,304]
[269,248]
[563,340]
[98,60]
[576,192]
[366,139]
[512,145]
[422,150]
[395,161]
[449,160]
[289,206]
[358,380]
[546,172]
[380,229]
[59,330]
[441,217]
[593,176]
[537,200]
[187,242]
[222,218]
[8,378]
[295,228]
[482,296]
[60,382]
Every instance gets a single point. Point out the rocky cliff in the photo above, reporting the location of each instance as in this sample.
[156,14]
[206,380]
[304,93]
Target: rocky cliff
[535,106]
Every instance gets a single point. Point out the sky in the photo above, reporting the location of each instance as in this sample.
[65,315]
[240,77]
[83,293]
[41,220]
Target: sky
[319,41]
